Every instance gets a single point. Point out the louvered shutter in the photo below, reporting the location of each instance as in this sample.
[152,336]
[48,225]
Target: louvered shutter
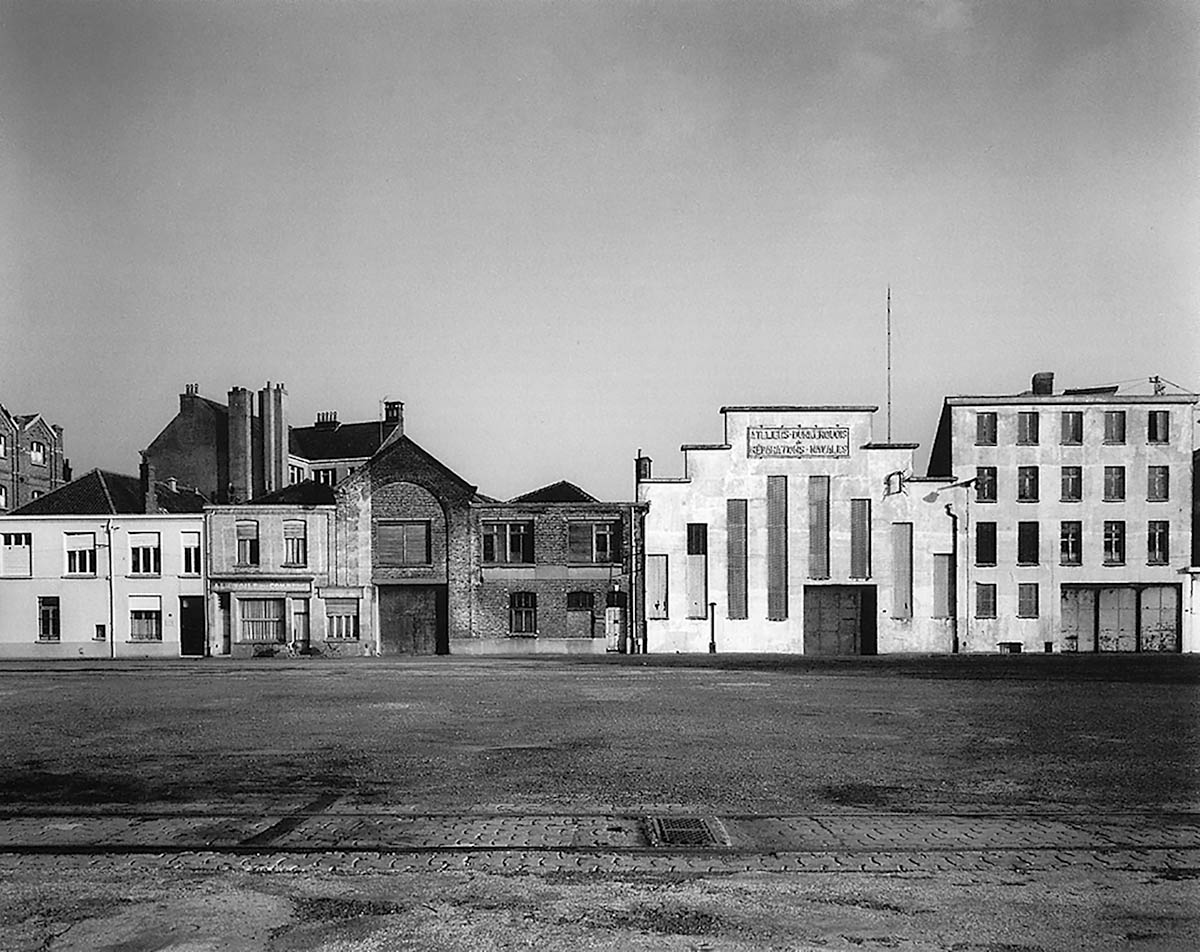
[818,526]
[777,554]
[736,558]
[860,538]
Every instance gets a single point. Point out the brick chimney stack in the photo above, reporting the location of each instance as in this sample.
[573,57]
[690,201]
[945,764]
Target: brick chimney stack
[149,485]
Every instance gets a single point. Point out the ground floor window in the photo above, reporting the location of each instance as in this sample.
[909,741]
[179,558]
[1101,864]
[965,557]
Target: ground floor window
[985,600]
[522,614]
[341,619]
[49,619]
[262,620]
[145,618]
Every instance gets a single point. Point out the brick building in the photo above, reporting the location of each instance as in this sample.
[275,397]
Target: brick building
[31,459]
[1079,523]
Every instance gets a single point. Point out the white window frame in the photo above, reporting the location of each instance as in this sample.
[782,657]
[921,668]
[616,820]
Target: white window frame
[81,545]
[191,553]
[145,619]
[8,563]
[145,558]
[37,453]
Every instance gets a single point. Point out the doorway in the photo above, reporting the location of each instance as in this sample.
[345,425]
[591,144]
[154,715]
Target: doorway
[191,626]
[413,619]
[839,620]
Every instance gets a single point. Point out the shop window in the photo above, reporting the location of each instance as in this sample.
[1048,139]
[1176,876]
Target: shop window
[985,483]
[1158,426]
[1114,426]
[522,613]
[1027,427]
[190,543]
[508,542]
[49,619]
[985,429]
[1072,428]
[1027,484]
[263,620]
[1027,543]
[16,554]
[145,618]
[295,542]
[985,600]
[341,619]
[1158,549]
[247,543]
[985,543]
[1027,600]
[1114,543]
[81,552]
[1071,543]
[1158,483]
[1072,484]
[145,553]
[1114,483]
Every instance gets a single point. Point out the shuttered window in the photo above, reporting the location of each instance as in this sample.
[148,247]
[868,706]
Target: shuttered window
[777,548]
[656,586]
[402,543]
[16,554]
[696,570]
[860,538]
[943,585]
[818,527]
[902,558]
[736,557]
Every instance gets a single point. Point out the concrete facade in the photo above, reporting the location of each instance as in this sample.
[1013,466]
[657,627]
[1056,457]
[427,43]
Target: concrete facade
[1091,516]
[31,459]
[825,598]
[73,587]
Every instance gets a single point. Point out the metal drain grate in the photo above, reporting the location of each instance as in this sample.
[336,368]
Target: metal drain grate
[685,831]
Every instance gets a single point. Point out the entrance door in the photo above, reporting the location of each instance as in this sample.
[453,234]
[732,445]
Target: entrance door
[1160,618]
[1079,619]
[839,619]
[1118,620]
[413,619]
[300,623]
[191,625]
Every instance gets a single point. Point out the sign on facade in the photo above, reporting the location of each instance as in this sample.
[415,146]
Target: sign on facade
[798,442]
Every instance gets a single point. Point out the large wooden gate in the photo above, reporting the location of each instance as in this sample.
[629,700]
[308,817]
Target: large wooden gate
[413,619]
[839,619]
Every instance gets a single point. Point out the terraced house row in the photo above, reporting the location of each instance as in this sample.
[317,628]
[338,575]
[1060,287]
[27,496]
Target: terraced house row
[1046,520]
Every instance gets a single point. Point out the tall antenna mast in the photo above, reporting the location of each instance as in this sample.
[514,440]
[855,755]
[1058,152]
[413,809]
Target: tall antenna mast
[889,363]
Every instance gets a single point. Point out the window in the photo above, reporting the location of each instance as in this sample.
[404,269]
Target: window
[145,554]
[1072,428]
[37,453]
[1114,543]
[594,542]
[1114,426]
[580,601]
[145,618]
[1158,549]
[656,586]
[1158,427]
[1027,484]
[860,538]
[49,619]
[985,429]
[508,542]
[81,552]
[1027,543]
[1027,427]
[696,570]
[1071,543]
[341,619]
[263,620]
[1027,600]
[735,557]
[35,494]
[902,569]
[985,600]
[326,477]
[985,483]
[247,543]
[3,497]
[402,543]
[943,585]
[522,613]
[1158,483]
[985,543]
[295,542]
[190,543]
[16,554]
[1072,483]
[1114,483]
[3,445]
[295,474]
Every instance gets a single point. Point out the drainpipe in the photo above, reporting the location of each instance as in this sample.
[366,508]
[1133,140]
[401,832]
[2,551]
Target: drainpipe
[112,618]
[712,627]
[953,580]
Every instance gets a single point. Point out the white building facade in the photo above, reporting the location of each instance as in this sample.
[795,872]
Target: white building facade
[799,534]
[1078,529]
[120,586]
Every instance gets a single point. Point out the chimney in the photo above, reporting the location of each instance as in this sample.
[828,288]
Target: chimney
[1043,384]
[241,445]
[272,411]
[190,392]
[393,412]
[642,467]
[148,485]
[327,420]
[172,484]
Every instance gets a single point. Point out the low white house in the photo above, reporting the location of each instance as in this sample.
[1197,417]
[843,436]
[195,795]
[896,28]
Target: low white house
[115,584]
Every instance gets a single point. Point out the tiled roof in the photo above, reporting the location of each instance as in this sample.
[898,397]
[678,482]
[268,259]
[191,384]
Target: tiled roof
[101,493]
[307,493]
[345,441]
[562,491]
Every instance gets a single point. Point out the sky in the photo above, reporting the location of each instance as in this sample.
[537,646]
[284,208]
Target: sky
[564,231]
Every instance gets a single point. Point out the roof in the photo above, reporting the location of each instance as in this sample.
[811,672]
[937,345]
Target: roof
[1069,397]
[101,493]
[306,493]
[343,441]
[562,491]
[805,409]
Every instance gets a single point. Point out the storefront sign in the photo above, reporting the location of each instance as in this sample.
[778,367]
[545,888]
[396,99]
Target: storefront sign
[299,586]
[798,442]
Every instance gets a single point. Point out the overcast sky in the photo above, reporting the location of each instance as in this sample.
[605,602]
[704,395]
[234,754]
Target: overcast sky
[561,231]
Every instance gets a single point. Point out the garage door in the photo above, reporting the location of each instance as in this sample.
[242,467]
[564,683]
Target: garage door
[1160,618]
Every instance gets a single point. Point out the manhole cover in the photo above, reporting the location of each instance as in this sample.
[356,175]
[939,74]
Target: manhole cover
[685,831]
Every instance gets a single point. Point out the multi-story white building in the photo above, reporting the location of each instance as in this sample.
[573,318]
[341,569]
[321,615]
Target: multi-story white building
[1077,533]
[106,582]
[798,533]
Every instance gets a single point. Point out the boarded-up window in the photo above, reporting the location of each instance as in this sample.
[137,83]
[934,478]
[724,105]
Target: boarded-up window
[696,570]
[777,548]
[402,543]
[860,538]
[902,537]
[943,585]
[985,543]
[736,560]
[985,600]
[818,527]
[656,586]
